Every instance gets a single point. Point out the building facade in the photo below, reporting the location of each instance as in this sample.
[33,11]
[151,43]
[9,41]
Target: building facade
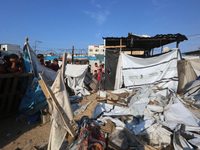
[95,49]
[11,48]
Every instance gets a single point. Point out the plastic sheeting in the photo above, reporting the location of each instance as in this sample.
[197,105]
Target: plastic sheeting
[75,78]
[160,70]
[34,98]
[110,110]
[175,111]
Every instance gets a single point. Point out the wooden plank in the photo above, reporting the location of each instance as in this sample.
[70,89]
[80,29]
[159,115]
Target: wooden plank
[5,95]
[28,80]
[11,75]
[44,89]
[64,117]
[12,95]
[115,46]
[146,147]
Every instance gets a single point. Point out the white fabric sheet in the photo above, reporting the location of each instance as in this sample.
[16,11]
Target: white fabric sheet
[58,130]
[75,78]
[160,70]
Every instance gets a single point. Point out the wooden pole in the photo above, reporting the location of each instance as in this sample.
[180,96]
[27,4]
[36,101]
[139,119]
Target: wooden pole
[177,44]
[120,46]
[72,54]
[63,64]
[53,100]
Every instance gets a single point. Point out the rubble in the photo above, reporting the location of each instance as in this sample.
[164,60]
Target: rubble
[146,117]
[150,120]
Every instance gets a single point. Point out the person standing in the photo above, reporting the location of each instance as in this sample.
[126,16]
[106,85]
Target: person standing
[99,79]
[54,65]
[95,68]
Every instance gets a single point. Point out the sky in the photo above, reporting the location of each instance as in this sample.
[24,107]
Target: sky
[60,24]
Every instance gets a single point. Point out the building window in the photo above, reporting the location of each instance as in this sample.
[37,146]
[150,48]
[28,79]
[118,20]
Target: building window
[96,50]
[91,50]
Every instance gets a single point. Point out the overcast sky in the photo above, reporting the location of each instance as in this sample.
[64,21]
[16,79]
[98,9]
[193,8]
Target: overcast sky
[63,23]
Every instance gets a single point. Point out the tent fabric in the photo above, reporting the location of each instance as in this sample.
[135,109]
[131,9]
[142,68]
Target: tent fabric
[186,74]
[75,78]
[188,70]
[160,70]
[58,131]
[111,59]
[34,98]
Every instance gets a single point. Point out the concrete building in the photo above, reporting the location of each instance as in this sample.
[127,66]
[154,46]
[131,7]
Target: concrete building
[10,48]
[95,49]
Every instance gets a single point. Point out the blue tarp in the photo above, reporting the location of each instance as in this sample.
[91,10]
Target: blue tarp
[50,57]
[34,98]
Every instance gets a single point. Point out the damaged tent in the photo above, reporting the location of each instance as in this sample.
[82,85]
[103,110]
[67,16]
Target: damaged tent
[188,71]
[76,75]
[133,44]
[34,98]
[160,70]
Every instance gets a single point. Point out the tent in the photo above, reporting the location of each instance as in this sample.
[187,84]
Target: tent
[34,98]
[75,78]
[160,70]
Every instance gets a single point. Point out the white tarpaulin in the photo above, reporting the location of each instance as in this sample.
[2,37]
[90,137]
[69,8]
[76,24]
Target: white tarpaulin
[175,111]
[75,78]
[159,70]
[58,130]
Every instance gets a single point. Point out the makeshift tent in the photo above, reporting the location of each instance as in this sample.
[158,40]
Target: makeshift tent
[34,98]
[75,78]
[160,70]
[133,43]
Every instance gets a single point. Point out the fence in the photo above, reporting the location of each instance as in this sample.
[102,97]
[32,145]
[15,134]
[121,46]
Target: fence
[12,89]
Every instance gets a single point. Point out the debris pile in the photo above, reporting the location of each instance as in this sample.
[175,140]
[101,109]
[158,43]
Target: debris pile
[149,117]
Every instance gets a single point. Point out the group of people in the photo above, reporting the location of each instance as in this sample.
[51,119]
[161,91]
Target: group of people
[12,64]
[48,64]
[98,74]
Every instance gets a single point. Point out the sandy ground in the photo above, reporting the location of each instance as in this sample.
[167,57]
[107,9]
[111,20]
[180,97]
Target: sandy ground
[20,135]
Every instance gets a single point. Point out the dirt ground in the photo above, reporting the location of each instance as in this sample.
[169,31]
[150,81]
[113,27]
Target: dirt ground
[18,134]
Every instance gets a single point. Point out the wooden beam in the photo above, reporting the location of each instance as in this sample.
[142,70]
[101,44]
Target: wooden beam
[120,46]
[177,44]
[114,46]
[63,64]
[72,54]
[53,100]
[146,147]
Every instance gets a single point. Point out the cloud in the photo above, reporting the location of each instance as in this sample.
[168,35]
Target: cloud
[98,34]
[99,6]
[99,16]
[160,4]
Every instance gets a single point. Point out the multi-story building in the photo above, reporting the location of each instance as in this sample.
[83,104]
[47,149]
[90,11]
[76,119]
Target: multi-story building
[95,49]
[10,48]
